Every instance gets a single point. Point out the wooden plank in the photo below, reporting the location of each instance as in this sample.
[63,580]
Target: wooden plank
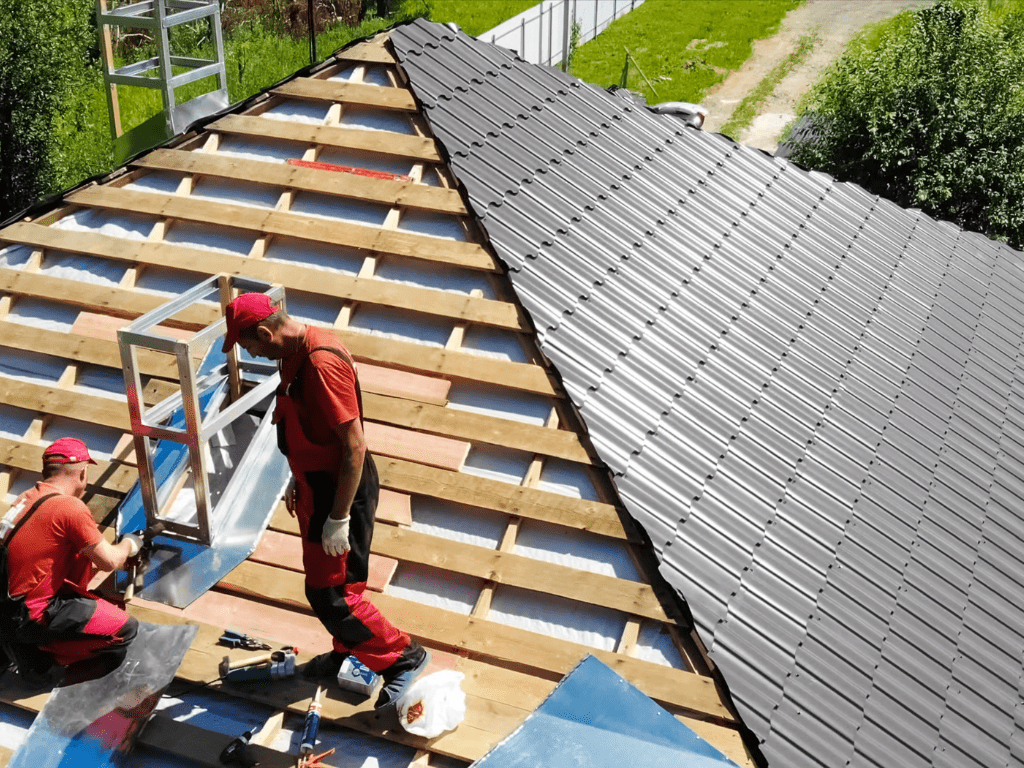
[486,720]
[285,551]
[263,221]
[450,363]
[370,52]
[385,440]
[411,386]
[107,476]
[396,543]
[362,94]
[80,349]
[105,327]
[726,739]
[105,299]
[384,142]
[630,597]
[476,427]
[67,403]
[399,354]
[482,492]
[202,747]
[392,508]
[350,185]
[456,307]
[489,641]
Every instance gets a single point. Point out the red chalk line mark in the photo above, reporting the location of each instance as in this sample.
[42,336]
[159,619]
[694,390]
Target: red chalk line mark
[349,169]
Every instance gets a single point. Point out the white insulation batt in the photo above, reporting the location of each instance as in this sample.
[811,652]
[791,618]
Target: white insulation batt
[331,258]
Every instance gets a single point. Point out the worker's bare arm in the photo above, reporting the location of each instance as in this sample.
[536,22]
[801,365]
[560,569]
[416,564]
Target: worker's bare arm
[109,557]
[353,451]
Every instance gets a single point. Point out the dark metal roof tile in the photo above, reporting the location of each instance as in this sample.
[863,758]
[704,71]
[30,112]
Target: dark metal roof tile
[809,396]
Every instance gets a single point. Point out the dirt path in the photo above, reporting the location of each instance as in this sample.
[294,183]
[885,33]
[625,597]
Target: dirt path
[836,22]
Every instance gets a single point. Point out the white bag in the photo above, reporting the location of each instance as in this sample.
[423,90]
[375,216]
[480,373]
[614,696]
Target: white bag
[433,704]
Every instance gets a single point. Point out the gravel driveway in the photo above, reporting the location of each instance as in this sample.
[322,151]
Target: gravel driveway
[836,21]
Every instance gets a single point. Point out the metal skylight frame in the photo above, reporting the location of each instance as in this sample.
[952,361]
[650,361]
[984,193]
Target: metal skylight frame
[149,424]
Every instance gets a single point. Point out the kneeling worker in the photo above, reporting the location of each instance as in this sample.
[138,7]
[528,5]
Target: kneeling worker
[335,488]
[51,559]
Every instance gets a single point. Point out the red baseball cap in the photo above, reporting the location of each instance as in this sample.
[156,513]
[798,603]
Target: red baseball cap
[244,312]
[67,450]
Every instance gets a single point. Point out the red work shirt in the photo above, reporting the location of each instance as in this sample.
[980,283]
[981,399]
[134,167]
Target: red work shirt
[47,550]
[325,394]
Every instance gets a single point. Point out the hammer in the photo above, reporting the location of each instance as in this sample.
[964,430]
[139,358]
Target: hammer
[136,566]
[226,665]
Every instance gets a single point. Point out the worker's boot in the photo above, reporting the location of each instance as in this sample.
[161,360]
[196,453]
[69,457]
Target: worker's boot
[324,667]
[400,675]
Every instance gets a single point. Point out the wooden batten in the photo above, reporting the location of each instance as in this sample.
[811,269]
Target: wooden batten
[452,306]
[299,178]
[476,427]
[57,401]
[80,349]
[482,492]
[107,477]
[262,221]
[385,142]
[372,51]
[490,642]
[518,571]
[394,99]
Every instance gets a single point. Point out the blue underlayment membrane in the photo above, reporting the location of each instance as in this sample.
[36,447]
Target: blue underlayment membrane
[595,718]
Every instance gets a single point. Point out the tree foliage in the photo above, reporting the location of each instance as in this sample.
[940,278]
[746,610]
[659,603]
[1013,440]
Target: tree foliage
[932,119]
[46,47]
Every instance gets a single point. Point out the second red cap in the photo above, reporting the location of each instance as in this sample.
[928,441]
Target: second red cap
[67,450]
[244,312]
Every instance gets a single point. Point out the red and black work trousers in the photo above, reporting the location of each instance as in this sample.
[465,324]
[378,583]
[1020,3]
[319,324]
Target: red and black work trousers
[78,630]
[336,586]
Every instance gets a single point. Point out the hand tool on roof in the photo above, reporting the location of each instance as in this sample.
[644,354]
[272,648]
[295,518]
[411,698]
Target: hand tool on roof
[233,639]
[314,761]
[226,664]
[312,725]
[239,752]
[275,670]
[137,565]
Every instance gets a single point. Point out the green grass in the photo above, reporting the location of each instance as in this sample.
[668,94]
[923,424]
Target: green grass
[745,113]
[477,16]
[684,47]
[254,59]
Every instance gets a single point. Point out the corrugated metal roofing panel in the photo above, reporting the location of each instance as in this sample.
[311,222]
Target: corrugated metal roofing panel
[807,395]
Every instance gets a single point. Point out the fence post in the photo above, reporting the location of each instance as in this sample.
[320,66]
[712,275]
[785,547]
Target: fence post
[522,36]
[540,34]
[595,18]
[551,34]
[565,36]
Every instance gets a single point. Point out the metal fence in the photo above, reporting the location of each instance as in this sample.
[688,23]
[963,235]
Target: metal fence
[541,34]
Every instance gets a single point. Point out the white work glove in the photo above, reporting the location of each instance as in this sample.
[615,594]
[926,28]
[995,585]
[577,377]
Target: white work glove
[335,537]
[135,542]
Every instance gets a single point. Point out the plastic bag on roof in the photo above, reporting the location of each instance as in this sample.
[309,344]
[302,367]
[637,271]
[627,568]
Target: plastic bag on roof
[433,704]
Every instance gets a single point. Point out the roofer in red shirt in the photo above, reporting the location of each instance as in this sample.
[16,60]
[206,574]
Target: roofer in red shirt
[334,488]
[51,558]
